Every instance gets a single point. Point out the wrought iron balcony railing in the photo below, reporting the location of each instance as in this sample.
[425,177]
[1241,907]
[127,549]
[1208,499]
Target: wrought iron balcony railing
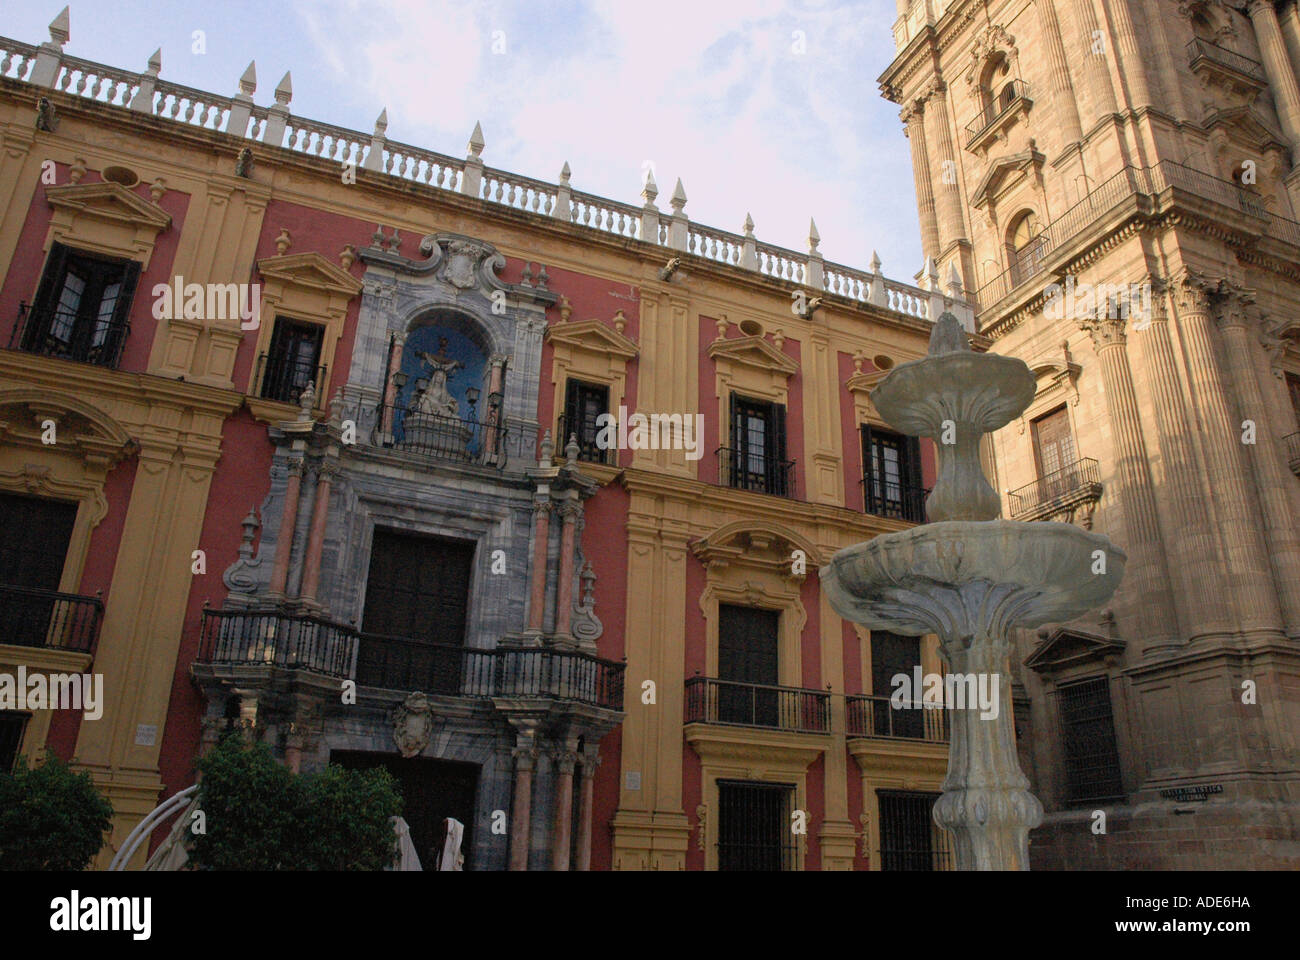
[1008,98]
[877,718]
[284,378]
[45,618]
[1292,442]
[895,500]
[405,427]
[1199,50]
[757,705]
[588,450]
[58,333]
[269,638]
[750,471]
[1083,476]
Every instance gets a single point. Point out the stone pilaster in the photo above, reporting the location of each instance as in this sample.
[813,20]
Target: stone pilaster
[316,539]
[1132,63]
[938,133]
[1063,99]
[565,762]
[1281,77]
[288,522]
[525,754]
[1095,43]
[914,117]
[537,574]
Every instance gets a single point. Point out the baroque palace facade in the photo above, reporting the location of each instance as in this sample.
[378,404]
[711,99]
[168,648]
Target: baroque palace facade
[301,437]
[1117,182]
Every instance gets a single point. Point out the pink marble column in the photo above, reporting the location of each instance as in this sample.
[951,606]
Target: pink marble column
[284,545]
[390,390]
[585,806]
[494,387]
[560,836]
[564,593]
[523,807]
[316,539]
[293,750]
[537,575]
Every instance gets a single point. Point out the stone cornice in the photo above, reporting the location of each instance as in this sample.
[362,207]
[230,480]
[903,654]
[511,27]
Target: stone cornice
[754,352]
[310,270]
[109,201]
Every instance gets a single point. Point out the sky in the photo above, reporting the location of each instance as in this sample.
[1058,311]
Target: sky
[763,107]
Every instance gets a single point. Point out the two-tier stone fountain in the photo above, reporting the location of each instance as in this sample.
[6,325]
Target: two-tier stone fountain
[970,577]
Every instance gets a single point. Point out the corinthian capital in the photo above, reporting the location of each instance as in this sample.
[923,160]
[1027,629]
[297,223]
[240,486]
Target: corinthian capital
[1105,331]
[1192,293]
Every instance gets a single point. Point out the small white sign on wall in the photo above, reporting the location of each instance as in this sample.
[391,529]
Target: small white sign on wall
[146,734]
[633,779]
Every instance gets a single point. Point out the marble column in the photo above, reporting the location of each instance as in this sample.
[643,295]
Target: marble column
[1058,73]
[390,382]
[1132,62]
[1147,572]
[1096,45]
[1237,320]
[1250,581]
[316,538]
[570,513]
[1277,65]
[913,116]
[521,815]
[1193,547]
[561,834]
[288,521]
[496,381]
[938,134]
[586,804]
[537,575]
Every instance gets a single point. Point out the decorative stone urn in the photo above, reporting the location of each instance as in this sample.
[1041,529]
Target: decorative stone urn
[969,578]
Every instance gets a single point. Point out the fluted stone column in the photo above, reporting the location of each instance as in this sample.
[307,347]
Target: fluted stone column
[288,522]
[1147,573]
[1193,546]
[525,755]
[1281,78]
[537,575]
[1058,73]
[1250,578]
[390,388]
[586,805]
[938,135]
[316,539]
[1272,478]
[914,117]
[565,762]
[569,513]
[1095,63]
[1132,62]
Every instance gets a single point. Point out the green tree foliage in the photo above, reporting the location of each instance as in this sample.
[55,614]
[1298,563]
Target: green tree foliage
[50,817]
[259,816]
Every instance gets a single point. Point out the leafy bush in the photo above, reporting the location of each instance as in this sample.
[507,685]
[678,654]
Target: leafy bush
[50,817]
[259,816]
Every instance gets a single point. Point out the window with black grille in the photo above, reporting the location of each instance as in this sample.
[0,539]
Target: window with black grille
[583,405]
[34,538]
[747,662]
[293,362]
[756,459]
[891,483]
[12,727]
[891,655]
[754,826]
[417,603]
[1088,741]
[909,837]
[82,307]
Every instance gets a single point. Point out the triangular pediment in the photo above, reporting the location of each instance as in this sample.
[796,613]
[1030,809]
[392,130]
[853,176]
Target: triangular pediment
[1246,126]
[754,352]
[310,270]
[109,201]
[1067,647]
[593,336]
[864,383]
[1000,173]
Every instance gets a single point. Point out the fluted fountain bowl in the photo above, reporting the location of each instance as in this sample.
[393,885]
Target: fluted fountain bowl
[962,579]
[983,391]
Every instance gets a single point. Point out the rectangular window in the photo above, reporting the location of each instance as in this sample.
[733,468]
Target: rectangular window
[892,654]
[1053,453]
[909,837]
[747,660]
[754,826]
[756,459]
[417,603]
[1088,741]
[294,361]
[82,307]
[891,484]
[583,405]
[12,727]
[34,538]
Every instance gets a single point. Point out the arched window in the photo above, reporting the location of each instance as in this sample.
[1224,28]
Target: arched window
[1026,246]
[997,88]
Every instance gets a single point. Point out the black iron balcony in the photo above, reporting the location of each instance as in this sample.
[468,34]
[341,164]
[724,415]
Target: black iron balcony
[283,378]
[53,332]
[1292,442]
[268,638]
[897,501]
[588,450]
[1080,480]
[1011,96]
[1199,51]
[746,470]
[45,618]
[757,705]
[463,440]
[878,718]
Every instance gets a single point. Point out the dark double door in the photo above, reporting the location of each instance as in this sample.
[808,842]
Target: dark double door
[747,654]
[34,539]
[417,602]
[892,655]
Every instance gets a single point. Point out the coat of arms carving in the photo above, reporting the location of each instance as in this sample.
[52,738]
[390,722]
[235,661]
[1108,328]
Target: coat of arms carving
[462,257]
[413,724]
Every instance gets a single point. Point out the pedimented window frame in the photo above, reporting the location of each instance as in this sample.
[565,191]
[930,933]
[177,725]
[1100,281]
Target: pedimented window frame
[590,351]
[752,367]
[105,218]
